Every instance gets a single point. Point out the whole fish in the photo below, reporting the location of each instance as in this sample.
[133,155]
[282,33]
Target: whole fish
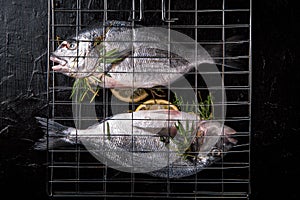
[158,142]
[120,56]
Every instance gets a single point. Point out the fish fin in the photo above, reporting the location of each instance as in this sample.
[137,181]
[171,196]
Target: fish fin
[231,140]
[156,126]
[171,113]
[229,132]
[55,135]
[109,82]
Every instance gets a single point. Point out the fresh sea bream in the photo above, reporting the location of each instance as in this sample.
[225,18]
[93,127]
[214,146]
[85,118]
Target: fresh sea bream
[120,56]
[163,143]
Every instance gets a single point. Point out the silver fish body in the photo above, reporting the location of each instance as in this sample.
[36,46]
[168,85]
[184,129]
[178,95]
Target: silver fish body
[132,142]
[140,57]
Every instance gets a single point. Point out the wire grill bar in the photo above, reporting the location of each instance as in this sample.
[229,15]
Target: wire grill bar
[72,169]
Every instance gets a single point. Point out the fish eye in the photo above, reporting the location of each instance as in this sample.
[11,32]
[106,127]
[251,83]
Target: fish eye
[72,46]
[216,152]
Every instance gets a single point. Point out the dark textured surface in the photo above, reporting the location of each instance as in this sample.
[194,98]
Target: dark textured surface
[276,117]
[275,113]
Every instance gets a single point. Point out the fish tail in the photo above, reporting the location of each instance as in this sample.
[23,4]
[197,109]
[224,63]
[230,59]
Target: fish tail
[55,135]
[235,48]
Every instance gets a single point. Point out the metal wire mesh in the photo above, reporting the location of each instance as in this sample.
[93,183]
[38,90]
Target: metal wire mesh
[73,171]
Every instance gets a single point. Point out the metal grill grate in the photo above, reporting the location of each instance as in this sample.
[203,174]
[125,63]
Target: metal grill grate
[222,24]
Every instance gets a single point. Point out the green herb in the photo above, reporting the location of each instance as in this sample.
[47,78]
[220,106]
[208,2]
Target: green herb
[183,139]
[108,131]
[83,87]
[107,57]
[185,133]
[178,101]
[203,108]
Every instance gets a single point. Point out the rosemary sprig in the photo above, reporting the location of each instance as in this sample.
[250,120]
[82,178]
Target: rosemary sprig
[203,108]
[82,87]
[183,138]
[185,134]
[108,131]
[178,101]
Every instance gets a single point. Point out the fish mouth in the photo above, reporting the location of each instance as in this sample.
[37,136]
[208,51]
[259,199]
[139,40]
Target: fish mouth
[61,67]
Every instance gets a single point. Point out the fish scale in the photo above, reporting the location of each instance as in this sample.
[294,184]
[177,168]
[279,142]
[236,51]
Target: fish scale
[134,143]
[143,57]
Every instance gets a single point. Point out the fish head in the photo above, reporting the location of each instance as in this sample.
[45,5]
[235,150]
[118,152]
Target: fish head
[215,135]
[77,57]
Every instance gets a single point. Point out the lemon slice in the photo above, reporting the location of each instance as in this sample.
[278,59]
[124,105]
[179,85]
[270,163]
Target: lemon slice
[156,104]
[129,95]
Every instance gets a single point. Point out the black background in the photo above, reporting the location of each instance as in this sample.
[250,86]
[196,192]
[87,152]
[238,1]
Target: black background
[275,108]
